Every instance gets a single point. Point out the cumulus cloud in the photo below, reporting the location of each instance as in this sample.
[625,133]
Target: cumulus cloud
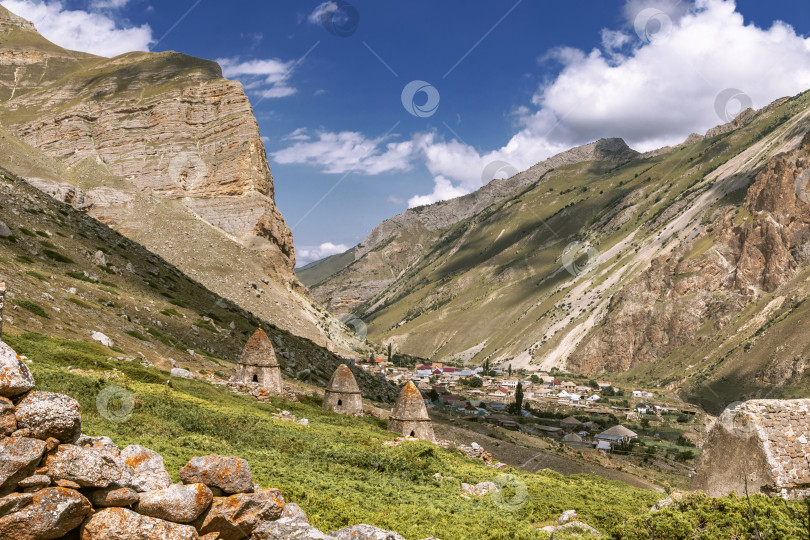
[268,77]
[86,31]
[651,84]
[346,151]
[307,254]
[652,93]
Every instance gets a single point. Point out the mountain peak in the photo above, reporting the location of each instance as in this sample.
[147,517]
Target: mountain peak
[10,21]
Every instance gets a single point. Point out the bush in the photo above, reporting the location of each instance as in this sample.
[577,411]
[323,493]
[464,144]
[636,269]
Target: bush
[56,256]
[34,308]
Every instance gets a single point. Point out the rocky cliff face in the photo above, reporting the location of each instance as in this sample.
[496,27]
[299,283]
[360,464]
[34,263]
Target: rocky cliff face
[666,307]
[167,123]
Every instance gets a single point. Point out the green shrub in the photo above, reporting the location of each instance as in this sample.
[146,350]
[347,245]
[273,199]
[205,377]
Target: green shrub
[34,308]
[137,335]
[56,256]
[37,275]
[80,303]
[80,276]
[27,232]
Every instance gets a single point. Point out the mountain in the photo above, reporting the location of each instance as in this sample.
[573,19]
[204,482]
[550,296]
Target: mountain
[70,276]
[397,243]
[166,151]
[685,267]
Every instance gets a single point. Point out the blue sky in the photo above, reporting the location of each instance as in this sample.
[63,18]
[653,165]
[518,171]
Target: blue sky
[514,81]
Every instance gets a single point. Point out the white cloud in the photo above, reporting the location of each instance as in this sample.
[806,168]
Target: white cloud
[394,199]
[338,153]
[299,134]
[108,4]
[307,254]
[322,10]
[91,32]
[268,77]
[651,92]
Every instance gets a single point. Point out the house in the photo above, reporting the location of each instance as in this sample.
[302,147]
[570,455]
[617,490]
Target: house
[568,386]
[604,446]
[763,441]
[584,390]
[572,439]
[642,394]
[617,435]
[592,399]
[645,408]
[570,422]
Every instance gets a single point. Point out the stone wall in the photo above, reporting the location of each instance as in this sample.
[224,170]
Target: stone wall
[764,441]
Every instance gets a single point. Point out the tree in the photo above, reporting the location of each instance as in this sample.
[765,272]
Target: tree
[510,370]
[389,352]
[519,397]
[474,382]
[592,383]
[486,368]
[535,379]
[433,395]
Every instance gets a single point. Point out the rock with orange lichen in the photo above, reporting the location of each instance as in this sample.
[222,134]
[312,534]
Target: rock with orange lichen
[143,469]
[8,422]
[113,495]
[52,513]
[47,414]
[179,503]
[19,456]
[230,474]
[15,379]
[237,516]
[85,466]
[123,524]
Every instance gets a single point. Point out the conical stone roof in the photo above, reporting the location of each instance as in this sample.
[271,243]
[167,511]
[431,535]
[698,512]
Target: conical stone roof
[343,381]
[410,405]
[259,351]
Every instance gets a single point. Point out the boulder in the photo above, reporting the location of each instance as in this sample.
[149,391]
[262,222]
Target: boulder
[19,457]
[230,474]
[47,414]
[14,502]
[8,422]
[52,513]
[5,232]
[113,496]
[15,379]
[180,503]
[568,515]
[182,373]
[35,482]
[143,469]
[365,532]
[478,490]
[293,525]
[286,529]
[237,516]
[123,524]
[101,338]
[85,466]
[576,528]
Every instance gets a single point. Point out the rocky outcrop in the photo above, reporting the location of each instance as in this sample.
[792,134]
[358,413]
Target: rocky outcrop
[167,123]
[677,295]
[94,491]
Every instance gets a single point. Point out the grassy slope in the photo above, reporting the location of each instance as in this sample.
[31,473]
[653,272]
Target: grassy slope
[338,470]
[154,311]
[315,272]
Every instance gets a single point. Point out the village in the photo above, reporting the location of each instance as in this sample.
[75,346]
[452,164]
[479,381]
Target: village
[567,409]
